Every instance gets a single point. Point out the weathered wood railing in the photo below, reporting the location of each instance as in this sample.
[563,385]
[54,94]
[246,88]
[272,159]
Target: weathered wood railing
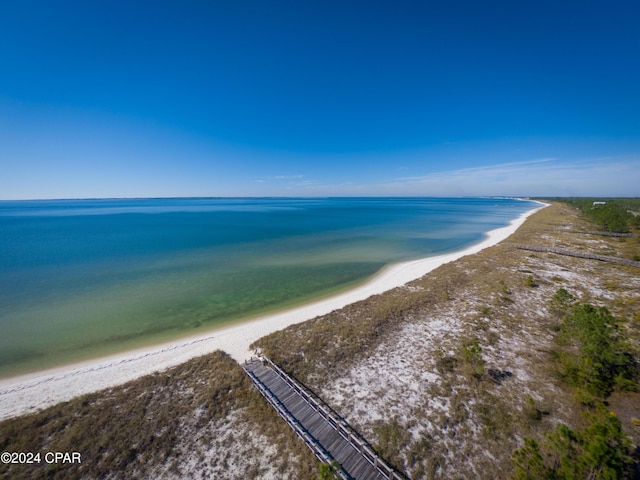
[330,416]
[311,442]
[585,232]
[569,253]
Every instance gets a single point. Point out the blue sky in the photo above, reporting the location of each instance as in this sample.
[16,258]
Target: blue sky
[304,98]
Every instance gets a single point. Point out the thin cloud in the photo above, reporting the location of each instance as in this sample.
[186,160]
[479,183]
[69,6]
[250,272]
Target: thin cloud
[606,176]
[278,179]
[304,183]
[285,177]
[540,177]
[502,168]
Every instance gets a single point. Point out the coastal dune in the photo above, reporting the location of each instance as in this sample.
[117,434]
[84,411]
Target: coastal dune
[27,393]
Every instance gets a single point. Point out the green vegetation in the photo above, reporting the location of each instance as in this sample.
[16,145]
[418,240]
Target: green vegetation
[615,215]
[594,357]
[531,410]
[473,366]
[328,471]
[561,303]
[600,450]
[504,370]
[480,406]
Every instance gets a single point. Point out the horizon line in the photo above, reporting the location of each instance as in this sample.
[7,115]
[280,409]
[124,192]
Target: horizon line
[213,197]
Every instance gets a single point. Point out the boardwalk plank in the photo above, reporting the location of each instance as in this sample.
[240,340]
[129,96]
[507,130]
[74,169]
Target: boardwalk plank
[306,416]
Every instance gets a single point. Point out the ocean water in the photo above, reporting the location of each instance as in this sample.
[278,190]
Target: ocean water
[83,278]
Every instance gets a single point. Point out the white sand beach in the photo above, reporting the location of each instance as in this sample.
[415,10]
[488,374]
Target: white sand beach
[27,393]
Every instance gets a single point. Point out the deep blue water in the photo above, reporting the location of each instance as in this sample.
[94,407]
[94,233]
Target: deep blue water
[79,278]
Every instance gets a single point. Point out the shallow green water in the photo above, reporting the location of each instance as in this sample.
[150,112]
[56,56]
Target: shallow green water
[84,278]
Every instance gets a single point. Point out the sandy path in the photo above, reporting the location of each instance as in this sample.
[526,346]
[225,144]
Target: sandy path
[23,394]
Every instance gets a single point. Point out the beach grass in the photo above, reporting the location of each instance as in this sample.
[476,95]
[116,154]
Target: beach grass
[203,413]
[445,375]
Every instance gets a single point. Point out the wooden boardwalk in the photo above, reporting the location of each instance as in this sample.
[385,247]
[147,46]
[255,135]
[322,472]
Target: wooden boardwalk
[568,253]
[328,435]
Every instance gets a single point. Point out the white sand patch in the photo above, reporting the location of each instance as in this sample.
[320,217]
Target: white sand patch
[395,378]
[225,448]
[20,395]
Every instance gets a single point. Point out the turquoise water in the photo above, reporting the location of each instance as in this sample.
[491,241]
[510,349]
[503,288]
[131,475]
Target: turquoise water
[82,278]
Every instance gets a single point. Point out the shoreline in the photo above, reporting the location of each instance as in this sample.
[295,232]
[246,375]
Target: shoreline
[29,392]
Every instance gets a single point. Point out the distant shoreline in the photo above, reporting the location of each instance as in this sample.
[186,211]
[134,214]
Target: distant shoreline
[26,393]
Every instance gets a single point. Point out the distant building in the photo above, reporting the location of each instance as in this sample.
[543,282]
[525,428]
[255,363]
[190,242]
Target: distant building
[595,204]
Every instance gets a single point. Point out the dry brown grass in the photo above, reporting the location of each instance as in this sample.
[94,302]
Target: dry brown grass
[401,367]
[394,365]
[201,419]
